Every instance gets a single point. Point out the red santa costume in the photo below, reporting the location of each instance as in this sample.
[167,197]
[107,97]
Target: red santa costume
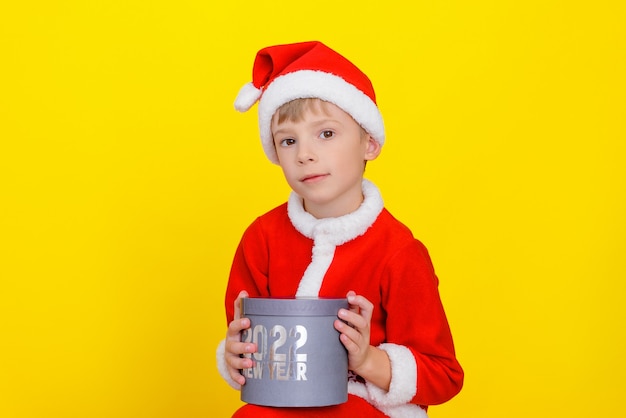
[289,253]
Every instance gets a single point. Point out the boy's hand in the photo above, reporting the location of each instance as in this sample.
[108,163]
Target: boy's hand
[368,362]
[355,335]
[234,348]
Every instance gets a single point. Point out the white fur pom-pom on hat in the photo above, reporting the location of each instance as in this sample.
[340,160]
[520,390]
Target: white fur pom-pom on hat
[283,73]
[248,95]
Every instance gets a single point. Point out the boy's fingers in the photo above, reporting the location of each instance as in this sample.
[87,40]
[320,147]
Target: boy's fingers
[242,294]
[352,333]
[355,319]
[236,326]
[236,361]
[351,299]
[360,305]
[237,377]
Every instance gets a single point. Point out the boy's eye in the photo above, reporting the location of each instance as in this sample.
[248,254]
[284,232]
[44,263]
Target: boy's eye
[287,141]
[327,134]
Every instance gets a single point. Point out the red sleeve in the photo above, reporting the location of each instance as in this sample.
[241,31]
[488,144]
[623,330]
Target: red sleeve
[416,320]
[249,270]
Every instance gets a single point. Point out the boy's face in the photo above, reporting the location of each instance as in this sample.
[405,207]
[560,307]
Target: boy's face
[323,156]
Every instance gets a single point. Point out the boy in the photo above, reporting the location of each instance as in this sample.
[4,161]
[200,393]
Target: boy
[319,121]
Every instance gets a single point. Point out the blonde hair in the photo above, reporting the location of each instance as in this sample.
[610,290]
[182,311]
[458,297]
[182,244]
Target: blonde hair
[292,111]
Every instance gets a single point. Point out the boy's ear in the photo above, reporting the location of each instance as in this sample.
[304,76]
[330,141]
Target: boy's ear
[373,149]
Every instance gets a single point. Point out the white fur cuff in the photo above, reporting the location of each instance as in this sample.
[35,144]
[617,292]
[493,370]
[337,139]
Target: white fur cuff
[403,386]
[222,368]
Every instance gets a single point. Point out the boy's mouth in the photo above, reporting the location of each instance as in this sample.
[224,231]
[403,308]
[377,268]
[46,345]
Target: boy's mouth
[311,178]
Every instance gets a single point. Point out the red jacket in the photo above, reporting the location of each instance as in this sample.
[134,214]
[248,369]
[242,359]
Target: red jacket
[287,252]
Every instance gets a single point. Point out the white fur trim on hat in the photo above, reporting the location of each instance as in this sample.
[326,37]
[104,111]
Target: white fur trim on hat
[325,86]
[247,97]
[328,233]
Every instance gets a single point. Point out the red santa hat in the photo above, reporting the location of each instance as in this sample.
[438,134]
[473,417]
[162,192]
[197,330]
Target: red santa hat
[283,73]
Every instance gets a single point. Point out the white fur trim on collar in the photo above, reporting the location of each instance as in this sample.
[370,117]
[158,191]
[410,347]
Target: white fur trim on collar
[321,85]
[328,233]
[343,228]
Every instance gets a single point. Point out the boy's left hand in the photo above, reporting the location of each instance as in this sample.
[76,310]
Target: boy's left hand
[355,335]
[367,361]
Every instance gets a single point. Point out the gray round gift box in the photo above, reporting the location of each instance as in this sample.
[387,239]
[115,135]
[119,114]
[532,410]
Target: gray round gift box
[300,361]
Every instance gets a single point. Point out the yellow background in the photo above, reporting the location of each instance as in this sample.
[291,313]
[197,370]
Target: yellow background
[127,178]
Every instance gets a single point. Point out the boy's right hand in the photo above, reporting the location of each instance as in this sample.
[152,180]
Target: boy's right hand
[234,348]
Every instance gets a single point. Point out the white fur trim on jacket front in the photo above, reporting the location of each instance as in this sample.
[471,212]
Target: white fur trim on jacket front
[328,233]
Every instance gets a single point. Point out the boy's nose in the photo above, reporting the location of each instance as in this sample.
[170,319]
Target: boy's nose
[305,155]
